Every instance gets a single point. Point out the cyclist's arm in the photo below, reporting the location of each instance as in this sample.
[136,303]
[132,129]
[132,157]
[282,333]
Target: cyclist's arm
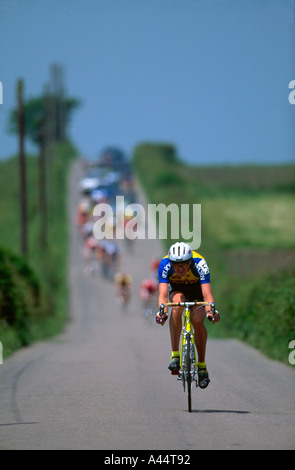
[163,293]
[161,316]
[207,294]
[208,297]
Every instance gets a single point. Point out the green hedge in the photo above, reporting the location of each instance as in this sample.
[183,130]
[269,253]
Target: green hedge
[261,312]
[21,300]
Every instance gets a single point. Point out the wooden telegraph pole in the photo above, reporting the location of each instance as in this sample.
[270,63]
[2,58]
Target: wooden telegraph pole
[22,169]
[43,196]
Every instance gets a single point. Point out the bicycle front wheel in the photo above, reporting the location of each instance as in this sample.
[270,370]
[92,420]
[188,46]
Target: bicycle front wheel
[188,361]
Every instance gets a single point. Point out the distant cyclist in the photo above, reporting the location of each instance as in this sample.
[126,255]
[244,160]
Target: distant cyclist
[90,252]
[110,257]
[184,275]
[123,283]
[147,289]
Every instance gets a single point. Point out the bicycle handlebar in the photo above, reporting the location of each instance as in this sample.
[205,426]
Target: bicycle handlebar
[189,304]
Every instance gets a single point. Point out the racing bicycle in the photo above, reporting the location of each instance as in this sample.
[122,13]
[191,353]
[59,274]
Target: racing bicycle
[188,372]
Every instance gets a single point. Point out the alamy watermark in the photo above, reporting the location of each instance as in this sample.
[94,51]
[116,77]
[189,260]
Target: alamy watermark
[176,222]
[1,93]
[292,353]
[292,93]
[1,353]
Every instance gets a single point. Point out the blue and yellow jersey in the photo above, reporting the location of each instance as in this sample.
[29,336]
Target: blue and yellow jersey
[197,273]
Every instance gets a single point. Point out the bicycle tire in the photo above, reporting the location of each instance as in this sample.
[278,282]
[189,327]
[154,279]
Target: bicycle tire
[188,373]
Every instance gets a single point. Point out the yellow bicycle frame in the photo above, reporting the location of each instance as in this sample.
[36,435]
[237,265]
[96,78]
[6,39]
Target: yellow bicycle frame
[187,327]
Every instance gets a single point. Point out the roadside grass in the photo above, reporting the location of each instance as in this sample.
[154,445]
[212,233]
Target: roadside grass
[261,221]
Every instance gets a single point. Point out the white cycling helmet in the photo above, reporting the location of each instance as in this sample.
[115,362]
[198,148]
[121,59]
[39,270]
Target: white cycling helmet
[179,252]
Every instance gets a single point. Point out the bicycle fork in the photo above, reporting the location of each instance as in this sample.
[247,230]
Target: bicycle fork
[188,342]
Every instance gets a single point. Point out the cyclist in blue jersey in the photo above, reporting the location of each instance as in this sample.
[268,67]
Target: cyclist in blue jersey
[184,275]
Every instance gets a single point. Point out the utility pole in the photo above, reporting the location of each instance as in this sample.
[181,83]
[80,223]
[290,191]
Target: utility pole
[22,169]
[58,91]
[43,163]
[43,196]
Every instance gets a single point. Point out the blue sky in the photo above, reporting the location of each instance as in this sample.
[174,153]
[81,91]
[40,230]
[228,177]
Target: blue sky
[209,76]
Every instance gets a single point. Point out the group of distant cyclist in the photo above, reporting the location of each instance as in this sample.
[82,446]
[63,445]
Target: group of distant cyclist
[104,256]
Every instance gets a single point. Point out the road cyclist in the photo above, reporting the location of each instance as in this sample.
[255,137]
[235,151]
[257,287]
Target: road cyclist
[184,275]
[123,283]
[147,290]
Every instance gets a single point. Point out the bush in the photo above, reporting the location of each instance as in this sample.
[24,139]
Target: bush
[167,178]
[262,314]
[20,295]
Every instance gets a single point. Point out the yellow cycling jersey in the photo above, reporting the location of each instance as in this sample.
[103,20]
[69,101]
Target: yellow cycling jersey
[123,279]
[198,272]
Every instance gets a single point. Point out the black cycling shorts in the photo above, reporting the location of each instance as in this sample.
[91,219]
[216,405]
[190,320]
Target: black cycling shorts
[191,291]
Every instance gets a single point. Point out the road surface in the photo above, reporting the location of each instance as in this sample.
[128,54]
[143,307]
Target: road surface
[104,383]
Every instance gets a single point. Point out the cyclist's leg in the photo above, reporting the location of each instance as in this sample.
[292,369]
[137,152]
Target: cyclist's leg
[175,326]
[126,293]
[175,320]
[197,318]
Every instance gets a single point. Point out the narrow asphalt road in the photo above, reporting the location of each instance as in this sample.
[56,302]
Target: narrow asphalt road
[104,383]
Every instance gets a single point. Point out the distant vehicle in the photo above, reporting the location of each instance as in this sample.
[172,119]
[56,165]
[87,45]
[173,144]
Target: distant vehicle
[108,191]
[93,179]
[111,177]
[114,158]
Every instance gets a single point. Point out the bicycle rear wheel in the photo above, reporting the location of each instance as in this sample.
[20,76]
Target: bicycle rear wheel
[188,372]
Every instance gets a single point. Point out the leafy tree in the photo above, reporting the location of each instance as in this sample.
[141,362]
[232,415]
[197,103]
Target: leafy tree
[47,115]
